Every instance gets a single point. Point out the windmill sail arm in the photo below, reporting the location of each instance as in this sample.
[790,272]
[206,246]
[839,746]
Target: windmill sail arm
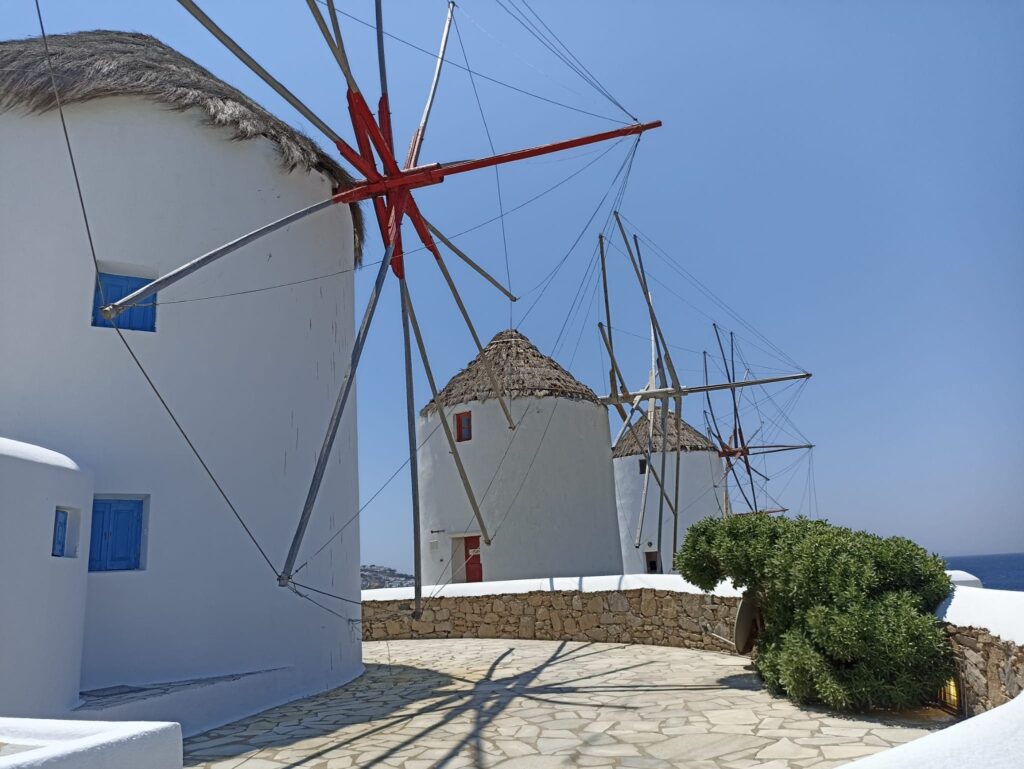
[662,392]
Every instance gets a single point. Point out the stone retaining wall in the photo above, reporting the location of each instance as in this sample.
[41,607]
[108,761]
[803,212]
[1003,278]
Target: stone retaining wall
[660,617]
[990,670]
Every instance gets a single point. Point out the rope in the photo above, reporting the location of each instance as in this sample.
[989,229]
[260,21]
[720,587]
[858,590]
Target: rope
[497,174]
[545,283]
[480,75]
[567,58]
[592,78]
[710,294]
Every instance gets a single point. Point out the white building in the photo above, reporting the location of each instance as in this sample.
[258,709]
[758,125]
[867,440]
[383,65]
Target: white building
[701,490]
[546,490]
[135,572]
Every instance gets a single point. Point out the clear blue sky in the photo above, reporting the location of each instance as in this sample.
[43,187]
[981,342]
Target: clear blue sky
[848,176]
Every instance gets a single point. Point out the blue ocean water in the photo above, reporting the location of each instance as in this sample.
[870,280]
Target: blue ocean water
[1000,572]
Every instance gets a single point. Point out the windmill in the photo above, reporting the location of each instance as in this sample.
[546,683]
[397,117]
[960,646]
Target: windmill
[390,187]
[664,386]
[735,446]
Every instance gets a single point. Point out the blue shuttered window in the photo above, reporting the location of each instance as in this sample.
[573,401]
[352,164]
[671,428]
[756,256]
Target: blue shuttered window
[60,533]
[116,540]
[140,318]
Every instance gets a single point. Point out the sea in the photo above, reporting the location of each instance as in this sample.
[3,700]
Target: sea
[1000,572]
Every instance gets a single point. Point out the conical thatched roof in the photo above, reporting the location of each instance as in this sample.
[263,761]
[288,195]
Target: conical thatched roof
[101,63]
[521,370]
[634,442]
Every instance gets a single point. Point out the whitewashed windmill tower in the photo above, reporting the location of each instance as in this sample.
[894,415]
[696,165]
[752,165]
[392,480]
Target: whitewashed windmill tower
[547,495]
[667,474]
[157,580]
[701,472]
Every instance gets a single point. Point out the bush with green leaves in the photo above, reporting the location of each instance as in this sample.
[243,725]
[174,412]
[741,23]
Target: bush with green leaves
[848,616]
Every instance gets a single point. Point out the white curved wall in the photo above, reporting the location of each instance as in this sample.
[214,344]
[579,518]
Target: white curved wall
[252,378]
[42,598]
[551,505]
[699,471]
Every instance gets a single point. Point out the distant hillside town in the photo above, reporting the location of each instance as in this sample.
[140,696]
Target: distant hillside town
[374,576]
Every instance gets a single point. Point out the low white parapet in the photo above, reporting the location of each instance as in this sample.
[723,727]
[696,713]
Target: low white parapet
[36,743]
[614,582]
[991,740]
[672,582]
[965,578]
[1000,612]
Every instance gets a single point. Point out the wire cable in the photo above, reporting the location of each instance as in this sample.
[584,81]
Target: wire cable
[120,333]
[480,75]
[497,174]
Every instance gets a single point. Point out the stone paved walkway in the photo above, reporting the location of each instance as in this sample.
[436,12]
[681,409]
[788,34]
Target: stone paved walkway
[547,704]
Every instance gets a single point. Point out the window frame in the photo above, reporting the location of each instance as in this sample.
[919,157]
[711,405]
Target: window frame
[140,318]
[101,559]
[61,524]
[463,426]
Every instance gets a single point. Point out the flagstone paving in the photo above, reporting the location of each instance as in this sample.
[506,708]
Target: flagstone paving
[512,704]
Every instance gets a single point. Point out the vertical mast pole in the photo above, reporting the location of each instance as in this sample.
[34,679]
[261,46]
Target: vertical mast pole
[608,321]
[384,120]
[414,474]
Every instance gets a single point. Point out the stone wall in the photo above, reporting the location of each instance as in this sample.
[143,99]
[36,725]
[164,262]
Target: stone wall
[990,670]
[660,617]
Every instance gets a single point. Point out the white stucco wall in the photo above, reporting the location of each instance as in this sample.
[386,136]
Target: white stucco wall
[42,598]
[551,505]
[699,471]
[52,744]
[251,377]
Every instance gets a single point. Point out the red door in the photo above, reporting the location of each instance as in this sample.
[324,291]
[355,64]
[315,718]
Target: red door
[474,569]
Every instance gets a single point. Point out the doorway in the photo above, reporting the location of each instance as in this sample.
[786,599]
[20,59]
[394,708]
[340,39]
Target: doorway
[652,561]
[471,557]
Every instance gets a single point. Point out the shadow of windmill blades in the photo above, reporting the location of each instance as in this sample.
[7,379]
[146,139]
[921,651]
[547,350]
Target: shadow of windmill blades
[422,703]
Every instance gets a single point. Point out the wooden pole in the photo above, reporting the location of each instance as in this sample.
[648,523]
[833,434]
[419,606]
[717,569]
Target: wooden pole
[417,138]
[410,414]
[648,469]
[265,76]
[335,43]
[608,319]
[335,421]
[459,253]
[662,392]
[488,368]
[442,416]
[633,410]
[114,309]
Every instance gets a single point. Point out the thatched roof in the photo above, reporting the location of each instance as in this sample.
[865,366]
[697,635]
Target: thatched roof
[634,442]
[101,63]
[521,370]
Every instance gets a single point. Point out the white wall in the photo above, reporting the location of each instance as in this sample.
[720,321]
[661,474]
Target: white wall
[699,471]
[554,519]
[42,597]
[99,745]
[252,378]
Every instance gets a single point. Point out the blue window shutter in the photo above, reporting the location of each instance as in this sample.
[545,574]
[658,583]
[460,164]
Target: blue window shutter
[125,538]
[116,541]
[139,318]
[60,533]
[97,540]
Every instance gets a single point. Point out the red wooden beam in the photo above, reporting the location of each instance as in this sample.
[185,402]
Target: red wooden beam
[424,176]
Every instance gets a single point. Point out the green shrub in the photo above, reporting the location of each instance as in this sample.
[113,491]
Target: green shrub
[848,616]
